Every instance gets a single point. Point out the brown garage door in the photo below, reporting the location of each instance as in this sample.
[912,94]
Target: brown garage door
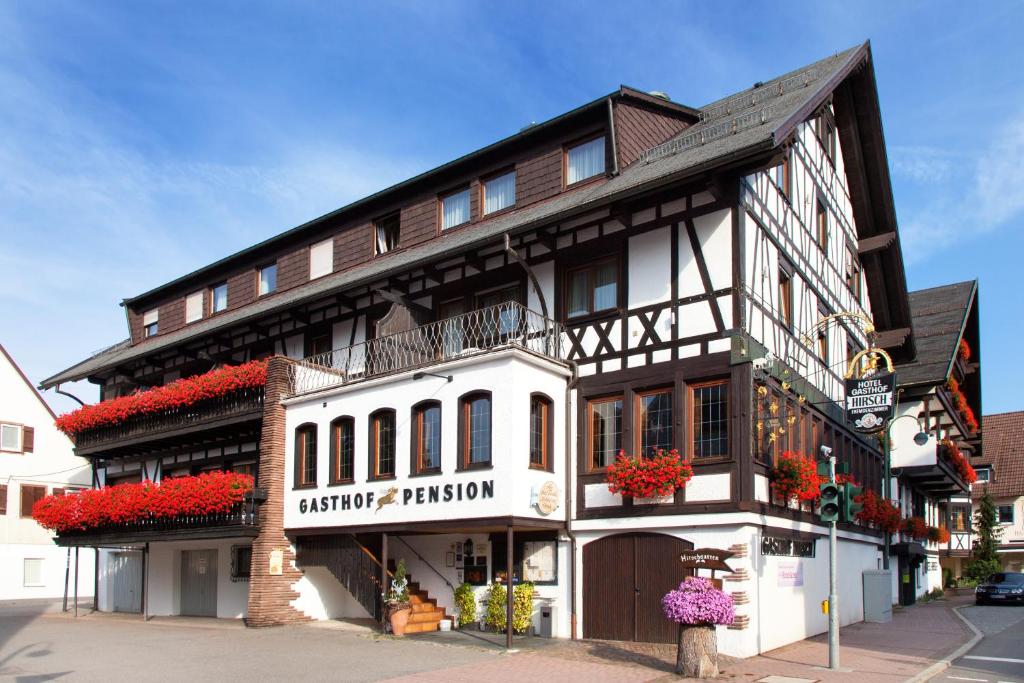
[624,579]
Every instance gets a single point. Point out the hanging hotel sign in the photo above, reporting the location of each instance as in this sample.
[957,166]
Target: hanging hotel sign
[869,401]
[706,558]
[545,498]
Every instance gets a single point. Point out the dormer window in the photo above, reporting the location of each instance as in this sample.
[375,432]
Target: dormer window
[386,234]
[267,279]
[584,160]
[499,193]
[219,298]
[455,209]
[150,323]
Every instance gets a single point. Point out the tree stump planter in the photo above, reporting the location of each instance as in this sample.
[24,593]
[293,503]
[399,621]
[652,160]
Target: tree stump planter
[697,656]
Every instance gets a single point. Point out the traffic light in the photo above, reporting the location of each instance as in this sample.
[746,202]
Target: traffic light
[830,502]
[851,506]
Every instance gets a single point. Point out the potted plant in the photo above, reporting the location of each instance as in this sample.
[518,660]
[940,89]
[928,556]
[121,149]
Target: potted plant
[397,600]
[660,475]
[465,603]
[916,528]
[795,477]
[496,606]
[880,512]
[697,606]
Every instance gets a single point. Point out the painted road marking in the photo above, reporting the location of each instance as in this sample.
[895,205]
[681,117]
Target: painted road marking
[995,659]
[961,678]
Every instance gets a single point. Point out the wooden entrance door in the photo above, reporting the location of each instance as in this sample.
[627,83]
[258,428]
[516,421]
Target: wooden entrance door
[624,578]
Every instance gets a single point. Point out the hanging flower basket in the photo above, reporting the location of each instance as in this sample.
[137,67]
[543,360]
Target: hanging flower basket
[795,477]
[179,394]
[205,494]
[661,475]
[697,606]
[879,512]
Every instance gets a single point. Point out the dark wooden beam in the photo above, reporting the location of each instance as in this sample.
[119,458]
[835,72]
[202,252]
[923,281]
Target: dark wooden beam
[875,243]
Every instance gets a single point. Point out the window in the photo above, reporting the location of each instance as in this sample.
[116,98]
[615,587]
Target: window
[710,405]
[3,499]
[455,209]
[33,572]
[822,223]
[653,422]
[382,444]
[241,562]
[321,259]
[149,323]
[958,520]
[507,319]
[386,233]
[426,424]
[984,474]
[605,422]
[249,467]
[825,129]
[1006,514]
[781,177]
[499,193]
[193,307]
[343,451]
[853,271]
[823,336]
[30,495]
[268,279]
[305,456]
[786,297]
[540,432]
[475,430]
[318,343]
[10,438]
[219,297]
[585,160]
[592,288]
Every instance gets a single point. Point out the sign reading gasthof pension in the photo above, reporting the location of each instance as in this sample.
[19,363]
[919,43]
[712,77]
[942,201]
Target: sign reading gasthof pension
[869,401]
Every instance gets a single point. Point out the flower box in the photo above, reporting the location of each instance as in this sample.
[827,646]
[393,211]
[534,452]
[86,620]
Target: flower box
[879,512]
[655,478]
[795,477]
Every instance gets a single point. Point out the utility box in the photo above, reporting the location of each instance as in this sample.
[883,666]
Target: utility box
[547,621]
[878,596]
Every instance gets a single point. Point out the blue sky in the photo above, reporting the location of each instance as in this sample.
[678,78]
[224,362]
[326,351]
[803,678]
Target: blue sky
[139,141]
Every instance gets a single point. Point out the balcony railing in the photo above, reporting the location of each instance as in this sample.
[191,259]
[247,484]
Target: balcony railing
[235,404]
[507,325]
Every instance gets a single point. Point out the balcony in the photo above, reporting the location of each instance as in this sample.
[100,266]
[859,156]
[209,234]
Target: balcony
[504,326]
[152,431]
[929,467]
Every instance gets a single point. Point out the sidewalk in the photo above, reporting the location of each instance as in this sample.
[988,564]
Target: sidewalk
[869,653]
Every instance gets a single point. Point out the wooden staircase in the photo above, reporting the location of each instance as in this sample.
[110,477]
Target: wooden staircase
[426,615]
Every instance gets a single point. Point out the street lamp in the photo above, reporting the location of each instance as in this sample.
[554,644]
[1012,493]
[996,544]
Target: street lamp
[920,439]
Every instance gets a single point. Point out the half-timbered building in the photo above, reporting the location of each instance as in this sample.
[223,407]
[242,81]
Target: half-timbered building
[455,361]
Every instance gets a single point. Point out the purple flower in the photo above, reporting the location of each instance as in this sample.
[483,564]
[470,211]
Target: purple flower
[696,602]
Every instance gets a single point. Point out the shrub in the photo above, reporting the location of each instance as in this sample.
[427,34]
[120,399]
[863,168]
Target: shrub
[495,607]
[698,602]
[465,603]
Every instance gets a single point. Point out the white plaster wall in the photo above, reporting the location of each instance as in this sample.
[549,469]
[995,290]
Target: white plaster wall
[650,267]
[322,597]
[12,578]
[511,376]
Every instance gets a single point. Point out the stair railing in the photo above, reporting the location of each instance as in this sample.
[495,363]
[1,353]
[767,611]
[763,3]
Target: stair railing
[424,561]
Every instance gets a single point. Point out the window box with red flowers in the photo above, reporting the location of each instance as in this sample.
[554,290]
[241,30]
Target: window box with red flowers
[211,498]
[794,478]
[938,534]
[879,512]
[915,527]
[656,477]
[959,461]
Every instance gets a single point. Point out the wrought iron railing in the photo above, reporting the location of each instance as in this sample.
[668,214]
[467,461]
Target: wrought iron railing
[236,403]
[480,331]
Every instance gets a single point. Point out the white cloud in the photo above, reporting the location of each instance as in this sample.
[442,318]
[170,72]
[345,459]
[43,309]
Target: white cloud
[922,164]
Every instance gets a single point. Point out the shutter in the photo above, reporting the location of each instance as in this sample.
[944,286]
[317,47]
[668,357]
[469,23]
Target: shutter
[3,499]
[28,439]
[58,492]
[193,307]
[321,259]
[29,496]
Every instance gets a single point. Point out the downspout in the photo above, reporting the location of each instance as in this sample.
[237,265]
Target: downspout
[57,390]
[611,136]
[573,381]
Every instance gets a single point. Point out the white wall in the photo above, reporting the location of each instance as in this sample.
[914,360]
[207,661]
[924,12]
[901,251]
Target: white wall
[12,578]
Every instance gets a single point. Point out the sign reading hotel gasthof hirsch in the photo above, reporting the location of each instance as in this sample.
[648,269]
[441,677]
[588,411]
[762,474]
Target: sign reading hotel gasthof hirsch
[869,401]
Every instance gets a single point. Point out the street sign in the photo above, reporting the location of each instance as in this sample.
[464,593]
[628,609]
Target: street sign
[869,401]
[706,558]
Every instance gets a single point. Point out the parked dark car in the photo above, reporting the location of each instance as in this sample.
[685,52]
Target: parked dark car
[1004,587]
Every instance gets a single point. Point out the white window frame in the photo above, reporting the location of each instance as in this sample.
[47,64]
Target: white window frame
[569,180]
[19,430]
[469,209]
[321,259]
[24,573]
[261,282]
[491,181]
[194,303]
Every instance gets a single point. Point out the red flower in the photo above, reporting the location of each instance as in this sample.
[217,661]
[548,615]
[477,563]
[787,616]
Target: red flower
[964,350]
[204,494]
[795,476]
[661,475]
[959,461]
[938,534]
[879,511]
[915,527]
[179,394]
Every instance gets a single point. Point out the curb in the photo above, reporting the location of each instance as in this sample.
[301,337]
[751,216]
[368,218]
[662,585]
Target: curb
[945,662]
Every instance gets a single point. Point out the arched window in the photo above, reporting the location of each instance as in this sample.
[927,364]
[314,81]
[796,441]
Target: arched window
[540,432]
[475,430]
[426,437]
[382,444]
[343,451]
[305,456]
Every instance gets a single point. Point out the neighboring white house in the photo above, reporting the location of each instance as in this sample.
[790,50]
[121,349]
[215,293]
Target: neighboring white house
[35,460]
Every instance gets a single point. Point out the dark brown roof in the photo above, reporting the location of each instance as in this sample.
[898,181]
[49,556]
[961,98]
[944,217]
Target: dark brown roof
[939,315]
[1004,452]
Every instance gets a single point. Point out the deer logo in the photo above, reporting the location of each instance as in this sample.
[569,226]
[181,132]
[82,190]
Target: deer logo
[387,499]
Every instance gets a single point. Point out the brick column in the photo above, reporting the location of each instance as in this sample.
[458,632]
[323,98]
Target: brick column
[270,596]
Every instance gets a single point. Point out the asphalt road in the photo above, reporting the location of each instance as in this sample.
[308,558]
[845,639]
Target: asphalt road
[999,656]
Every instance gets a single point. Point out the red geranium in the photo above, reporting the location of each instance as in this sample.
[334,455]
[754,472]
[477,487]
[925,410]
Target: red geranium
[959,461]
[796,476]
[204,494]
[183,392]
[964,350]
[879,511]
[938,534]
[661,475]
[959,399]
[915,527]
